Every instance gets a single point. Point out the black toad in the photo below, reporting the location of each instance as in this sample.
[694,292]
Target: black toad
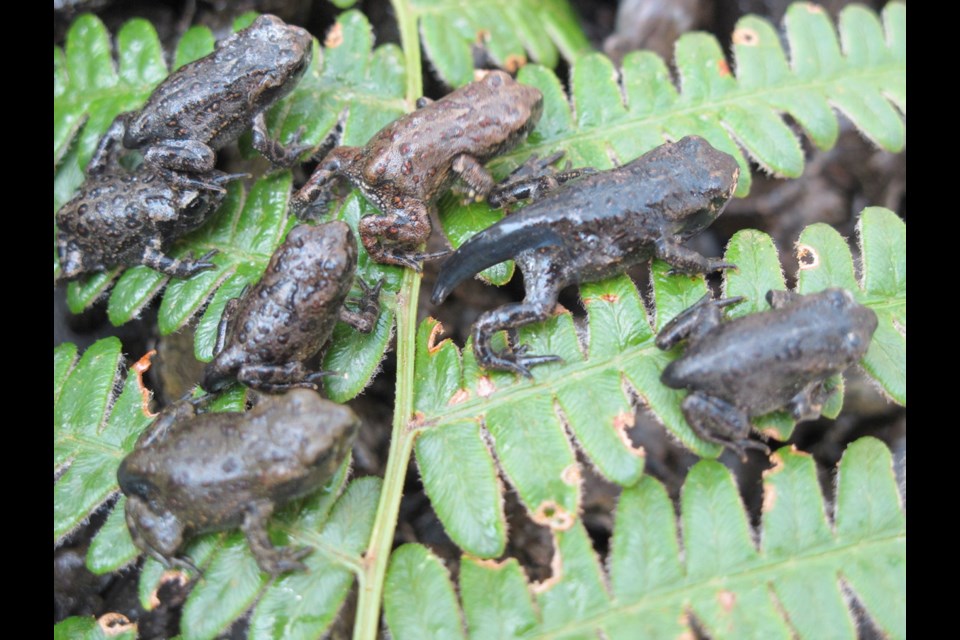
[594,228]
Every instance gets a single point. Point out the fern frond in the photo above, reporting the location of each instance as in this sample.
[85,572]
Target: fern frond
[508,30]
[87,628]
[94,427]
[657,582]
[584,402]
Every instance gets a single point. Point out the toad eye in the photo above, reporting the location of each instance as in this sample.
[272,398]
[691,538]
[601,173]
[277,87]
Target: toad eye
[852,342]
[132,483]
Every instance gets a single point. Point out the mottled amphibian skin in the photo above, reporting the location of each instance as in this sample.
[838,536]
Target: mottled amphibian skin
[267,335]
[414,159]
[128,218]
[191,474]
[123,218]
[208,103]
[755,364]
[594,228]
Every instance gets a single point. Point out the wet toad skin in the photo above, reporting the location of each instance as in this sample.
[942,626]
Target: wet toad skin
[208,103]
[128,218]
[192,474]
[762,362]
[266,336]
[118,217]
[409,163]
[593,228]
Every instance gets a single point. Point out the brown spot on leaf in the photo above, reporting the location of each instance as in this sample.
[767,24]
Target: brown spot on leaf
[552,515]
[560,310]
[556,571]
[513,62]
[462,395]
[482,36]
[418,420]
[485,387]
[727,600]
[746,37]
[808,257]
[140,367]
[621,423]
[334,37]
[776,460]
[769,497]
[770,432]
[432,345]
[113,624]
[814,8]
[723,68]
[571,475]
[489,563]
[612,298]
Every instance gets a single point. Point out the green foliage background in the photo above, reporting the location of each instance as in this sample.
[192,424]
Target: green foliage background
[460,422]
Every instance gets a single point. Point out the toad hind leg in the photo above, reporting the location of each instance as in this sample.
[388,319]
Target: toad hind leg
[269,558]
[719,421]
[178,268]
[273,150]
[365,319]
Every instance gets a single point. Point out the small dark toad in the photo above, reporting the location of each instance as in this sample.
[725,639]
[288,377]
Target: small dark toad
[192,474]
[593,228]
[266,336]
[409,163]
[762,362]
[208,103]
[123,218]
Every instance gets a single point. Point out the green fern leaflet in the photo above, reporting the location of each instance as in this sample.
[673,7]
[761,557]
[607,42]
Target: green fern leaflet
[714,573]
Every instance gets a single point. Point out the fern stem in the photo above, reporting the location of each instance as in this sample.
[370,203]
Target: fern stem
[367,622]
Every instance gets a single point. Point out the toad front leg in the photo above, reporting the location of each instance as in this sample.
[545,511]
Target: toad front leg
[474,175]
[277,378]
[159,534]
[533,179]
[317,191]
[543,279]
[695,322]
[365,318]
[395,237]
[155,258]
[282,155]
